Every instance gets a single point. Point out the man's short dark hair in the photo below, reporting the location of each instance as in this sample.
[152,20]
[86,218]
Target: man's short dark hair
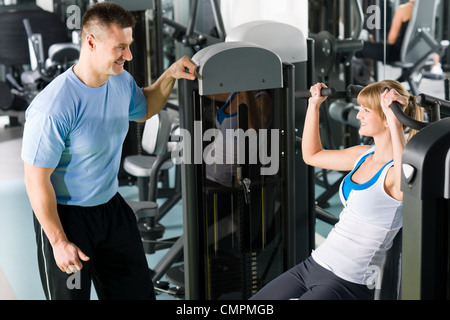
[103,14]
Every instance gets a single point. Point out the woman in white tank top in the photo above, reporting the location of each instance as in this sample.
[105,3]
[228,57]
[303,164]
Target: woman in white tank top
[344,266]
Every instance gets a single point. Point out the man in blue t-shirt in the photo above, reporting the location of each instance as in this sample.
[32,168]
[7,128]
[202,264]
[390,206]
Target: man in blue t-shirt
[72,145]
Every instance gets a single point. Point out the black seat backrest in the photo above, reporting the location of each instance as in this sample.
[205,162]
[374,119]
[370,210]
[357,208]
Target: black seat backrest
[423,17]
[13,37]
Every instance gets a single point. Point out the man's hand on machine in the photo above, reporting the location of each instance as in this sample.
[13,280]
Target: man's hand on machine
[184,68]
[68,256]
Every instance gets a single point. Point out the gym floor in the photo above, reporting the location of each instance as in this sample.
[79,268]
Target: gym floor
[19,276]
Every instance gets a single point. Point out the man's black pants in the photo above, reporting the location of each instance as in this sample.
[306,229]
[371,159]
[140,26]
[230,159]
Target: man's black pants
[109,236]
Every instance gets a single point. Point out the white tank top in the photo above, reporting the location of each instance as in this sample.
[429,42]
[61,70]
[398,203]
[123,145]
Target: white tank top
[355,248]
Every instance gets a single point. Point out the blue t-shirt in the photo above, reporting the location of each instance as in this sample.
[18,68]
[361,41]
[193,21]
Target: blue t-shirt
[79,131]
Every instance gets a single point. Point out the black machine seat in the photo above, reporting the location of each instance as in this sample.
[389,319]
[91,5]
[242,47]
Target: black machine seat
[51,53]
[13,34]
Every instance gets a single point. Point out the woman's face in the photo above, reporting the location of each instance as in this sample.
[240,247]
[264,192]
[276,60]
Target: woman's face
[371,122]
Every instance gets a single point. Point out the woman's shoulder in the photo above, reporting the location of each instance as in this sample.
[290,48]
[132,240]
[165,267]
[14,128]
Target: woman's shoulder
[361,150]
[354,154]
[404,11]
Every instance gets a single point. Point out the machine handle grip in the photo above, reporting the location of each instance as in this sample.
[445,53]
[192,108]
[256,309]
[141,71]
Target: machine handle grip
[435,105]
[349,45]
[405,119]
[307,94]
[427,100]
[353,90]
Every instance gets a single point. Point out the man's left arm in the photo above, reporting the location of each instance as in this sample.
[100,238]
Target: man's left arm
[158,93]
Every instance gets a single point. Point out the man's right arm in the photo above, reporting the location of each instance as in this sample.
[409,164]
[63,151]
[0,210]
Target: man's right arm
[43,201]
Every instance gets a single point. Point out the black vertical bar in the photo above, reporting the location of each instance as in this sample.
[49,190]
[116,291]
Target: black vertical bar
[288,160]
[189,189]
[447,89]
[159,56]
